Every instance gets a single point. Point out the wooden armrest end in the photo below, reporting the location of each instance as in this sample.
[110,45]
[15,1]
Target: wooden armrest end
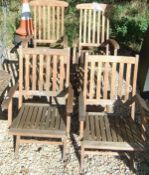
[113,43]
[9,97]
[141,102]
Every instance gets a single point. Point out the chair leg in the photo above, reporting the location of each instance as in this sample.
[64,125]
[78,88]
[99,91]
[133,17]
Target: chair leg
[17,145]
[132,160]
[64,148]
[82,160]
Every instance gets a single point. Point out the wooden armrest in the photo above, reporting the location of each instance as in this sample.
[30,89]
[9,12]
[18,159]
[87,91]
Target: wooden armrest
[69,106]
[82,108]
[144,114]
[10,95]
[141,102]
[113,43]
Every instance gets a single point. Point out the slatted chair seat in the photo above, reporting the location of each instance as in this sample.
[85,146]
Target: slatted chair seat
[103,132]
[39,119]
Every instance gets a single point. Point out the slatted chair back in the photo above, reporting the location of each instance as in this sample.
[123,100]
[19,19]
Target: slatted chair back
[94,25]
[43,72]
[48,17]
[108,78]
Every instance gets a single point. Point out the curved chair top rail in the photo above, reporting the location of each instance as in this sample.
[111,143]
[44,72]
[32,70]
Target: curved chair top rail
[95,6]
[49,2]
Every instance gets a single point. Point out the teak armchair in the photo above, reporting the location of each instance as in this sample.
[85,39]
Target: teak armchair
[107,106]
[43,73]
[94,29]
[48,21]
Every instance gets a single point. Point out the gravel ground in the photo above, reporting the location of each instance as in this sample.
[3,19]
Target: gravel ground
[38,159]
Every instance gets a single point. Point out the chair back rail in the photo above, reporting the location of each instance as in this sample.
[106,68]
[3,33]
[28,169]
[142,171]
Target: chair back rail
[43,72]
[94,25]
[107,78]
[48,20]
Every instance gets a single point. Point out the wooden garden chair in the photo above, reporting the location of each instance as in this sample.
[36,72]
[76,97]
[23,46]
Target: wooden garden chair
[109,86]
[94,30]
[43,73]
[48,21]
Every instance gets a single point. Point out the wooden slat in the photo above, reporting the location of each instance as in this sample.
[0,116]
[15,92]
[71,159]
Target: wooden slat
[54,72]
[24,117]
[103,28]
[98,89]
[128,74]
[113,78]
[81,25]
[58,22]
[98,26]
[27,73]
[85,26]
[33,119]
[48,120]
[123,130]
[48,70]
[118,130]
[27,123]
[57,123]
[38,118]
[106,72]
[98,132]
[89,25]
[18,118]
[108,129]
[41,73]
[62,73]
[107,28]
[120,80]
[44,117]
[102,128]
[34,73]
[94,26]
[62,21]
[39,22]
[113,129]
[44,22]
[53,23]
[87,130]
[92,83]
[48,22]
[92,126]
[35,21]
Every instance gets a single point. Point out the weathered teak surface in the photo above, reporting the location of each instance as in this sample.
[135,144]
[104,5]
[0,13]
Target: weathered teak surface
[4,81]
[43,72]
[94,27]
[109,87]
[48,20]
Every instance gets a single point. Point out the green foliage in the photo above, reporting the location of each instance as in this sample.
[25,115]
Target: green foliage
[129,23]
[13,13]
